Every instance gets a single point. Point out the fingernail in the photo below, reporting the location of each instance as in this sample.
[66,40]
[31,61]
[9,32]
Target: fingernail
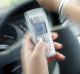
[60,45]
[64,57]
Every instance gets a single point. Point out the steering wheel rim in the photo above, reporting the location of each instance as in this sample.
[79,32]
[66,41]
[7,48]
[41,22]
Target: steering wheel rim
[11,49]
[13,9]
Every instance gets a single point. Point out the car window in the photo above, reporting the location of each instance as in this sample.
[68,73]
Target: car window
[9,3]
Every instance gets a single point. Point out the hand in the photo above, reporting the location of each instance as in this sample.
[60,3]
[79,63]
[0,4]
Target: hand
[51,5]
[34,59]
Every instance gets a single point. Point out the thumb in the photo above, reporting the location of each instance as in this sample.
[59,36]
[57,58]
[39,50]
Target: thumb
[40,49]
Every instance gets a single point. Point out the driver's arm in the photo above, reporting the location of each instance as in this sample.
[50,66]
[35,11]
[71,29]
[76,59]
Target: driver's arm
[71,9]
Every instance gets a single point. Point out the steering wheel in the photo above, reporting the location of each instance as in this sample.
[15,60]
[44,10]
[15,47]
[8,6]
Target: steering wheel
[69,42]
[15,48]
[10,52]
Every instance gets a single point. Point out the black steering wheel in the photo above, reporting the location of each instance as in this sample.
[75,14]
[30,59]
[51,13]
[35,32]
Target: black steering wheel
[12,53]
[15,48]
[8,56]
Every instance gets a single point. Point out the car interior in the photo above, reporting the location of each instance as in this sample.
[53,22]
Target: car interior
[12,29]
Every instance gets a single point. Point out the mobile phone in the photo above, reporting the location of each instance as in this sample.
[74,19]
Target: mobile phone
[38,25]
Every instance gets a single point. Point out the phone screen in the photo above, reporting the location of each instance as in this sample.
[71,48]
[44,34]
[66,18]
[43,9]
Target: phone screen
[40,28]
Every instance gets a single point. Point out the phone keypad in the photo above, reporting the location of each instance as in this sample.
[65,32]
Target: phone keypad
[49,41]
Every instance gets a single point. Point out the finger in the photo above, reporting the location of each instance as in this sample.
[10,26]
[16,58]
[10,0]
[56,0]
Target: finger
[27,43]
[58,56]
[55,35]
[40,49]
[58,46]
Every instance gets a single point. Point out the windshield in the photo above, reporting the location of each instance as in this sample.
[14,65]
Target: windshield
[4,4]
